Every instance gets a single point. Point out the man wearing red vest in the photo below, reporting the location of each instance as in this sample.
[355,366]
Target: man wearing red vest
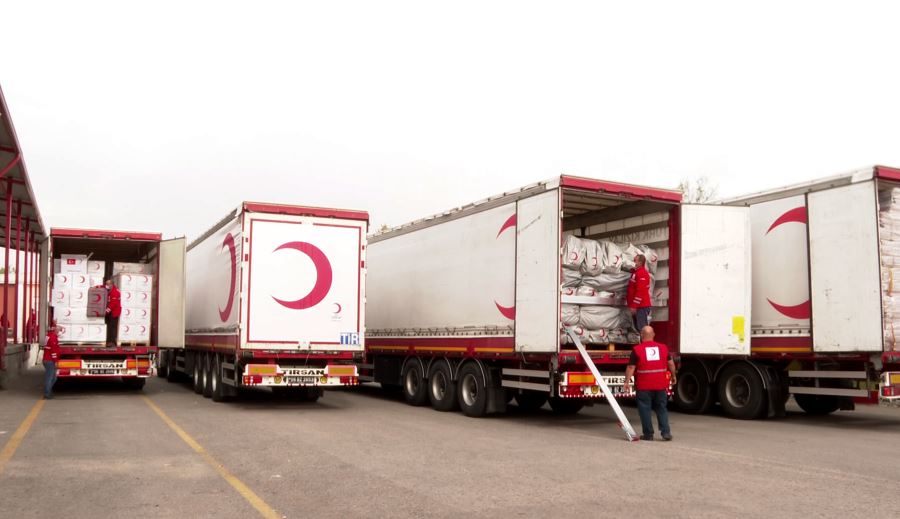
[651,363]
[113,311]
[638,298]
[51,355]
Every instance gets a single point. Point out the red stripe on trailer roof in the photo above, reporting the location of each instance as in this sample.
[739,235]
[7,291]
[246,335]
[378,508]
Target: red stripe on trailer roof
[615,188]
[105,234]
[887,173]
[299,210]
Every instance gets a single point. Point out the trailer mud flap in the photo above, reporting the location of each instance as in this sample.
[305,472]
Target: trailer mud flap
[496,403]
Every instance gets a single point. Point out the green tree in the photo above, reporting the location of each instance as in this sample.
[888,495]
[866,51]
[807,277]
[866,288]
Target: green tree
[699,190]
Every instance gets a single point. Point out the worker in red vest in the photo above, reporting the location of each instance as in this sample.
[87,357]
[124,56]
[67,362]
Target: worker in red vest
[638,298]
[651,365]
[51,355]
[113,311]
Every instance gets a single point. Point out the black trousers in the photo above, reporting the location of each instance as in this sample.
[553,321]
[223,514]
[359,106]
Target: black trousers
[112,329]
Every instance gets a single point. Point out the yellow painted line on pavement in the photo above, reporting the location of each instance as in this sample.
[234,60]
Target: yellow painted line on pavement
[261,506]
[10,448]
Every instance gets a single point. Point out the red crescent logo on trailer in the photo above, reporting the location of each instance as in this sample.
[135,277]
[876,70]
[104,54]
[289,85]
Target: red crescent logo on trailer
[804,309]
[323,276]
[507,311]
[225,313]
[339,308]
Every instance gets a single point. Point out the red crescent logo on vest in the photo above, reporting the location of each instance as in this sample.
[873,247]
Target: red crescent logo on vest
[225,313]
[507,311]
[803,310]
[323,276]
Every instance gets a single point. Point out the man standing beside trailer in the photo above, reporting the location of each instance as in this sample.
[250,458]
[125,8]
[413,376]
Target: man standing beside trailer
[639,293]
[650,360]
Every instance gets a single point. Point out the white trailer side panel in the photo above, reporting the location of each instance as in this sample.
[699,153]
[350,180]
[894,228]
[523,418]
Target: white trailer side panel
[304,285]
[844,269]
[715,274]
[213,281]
[171,288]
[447,277]
[781,304]
[537,273]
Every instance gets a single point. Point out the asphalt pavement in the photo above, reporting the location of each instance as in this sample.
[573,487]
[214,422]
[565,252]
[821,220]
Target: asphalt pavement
[99,450]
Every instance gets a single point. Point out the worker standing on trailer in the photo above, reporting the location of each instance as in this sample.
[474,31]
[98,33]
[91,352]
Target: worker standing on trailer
[638,299]
[650,361]
[51,355]
[113,311]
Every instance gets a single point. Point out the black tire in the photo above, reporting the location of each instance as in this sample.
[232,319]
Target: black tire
[741,392]
[217,391]
[565,406]
[162,366]
[530,400]
[310,394]
[172,374]
[206,375]
[818,405]
[198,374]
[693,392]
[134,383]
[415,388]
[441,387]
[471,388]
[391,388]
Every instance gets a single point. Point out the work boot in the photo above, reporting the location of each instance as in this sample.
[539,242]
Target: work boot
[667,437]
[647,438]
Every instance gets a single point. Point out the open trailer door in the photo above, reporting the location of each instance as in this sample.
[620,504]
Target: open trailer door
[170,332]
[715,280]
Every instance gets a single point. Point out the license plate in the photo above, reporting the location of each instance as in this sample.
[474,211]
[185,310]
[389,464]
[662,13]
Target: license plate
[102,371]
[300,380]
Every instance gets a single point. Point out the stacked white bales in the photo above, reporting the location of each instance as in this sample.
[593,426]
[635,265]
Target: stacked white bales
[600,269]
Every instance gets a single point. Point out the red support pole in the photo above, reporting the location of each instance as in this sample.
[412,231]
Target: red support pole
[32,290]
[26,303]
[5,316]
[15,317]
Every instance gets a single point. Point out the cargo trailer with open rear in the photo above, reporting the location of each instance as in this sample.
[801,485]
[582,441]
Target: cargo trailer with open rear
[826,301]
[471,308]
[275,298]
[76,262]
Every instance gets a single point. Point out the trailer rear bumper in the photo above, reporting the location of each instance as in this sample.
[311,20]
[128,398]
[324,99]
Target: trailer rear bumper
[138,366]
[275,375]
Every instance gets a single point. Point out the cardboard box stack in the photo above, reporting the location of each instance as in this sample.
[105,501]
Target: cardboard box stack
[889,221]
[79,320]
[136,286]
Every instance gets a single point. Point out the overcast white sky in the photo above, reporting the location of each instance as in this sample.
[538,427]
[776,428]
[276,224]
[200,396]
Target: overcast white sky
[164,115]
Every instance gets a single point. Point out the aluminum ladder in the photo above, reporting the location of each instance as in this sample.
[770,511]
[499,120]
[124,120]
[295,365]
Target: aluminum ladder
[630,435]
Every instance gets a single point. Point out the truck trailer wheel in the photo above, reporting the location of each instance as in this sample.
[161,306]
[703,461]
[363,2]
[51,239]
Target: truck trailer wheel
[206,374]
[741,392]
[218,389]
[441,387]
[134,383]
[415,390]
[818,405]
[198,374]
[472,390]
[694,392]
[530,400]
[565,406]
[162,365]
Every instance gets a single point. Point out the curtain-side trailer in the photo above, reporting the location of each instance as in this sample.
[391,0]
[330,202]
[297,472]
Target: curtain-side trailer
[466,308]
[275,298]
[825,257]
